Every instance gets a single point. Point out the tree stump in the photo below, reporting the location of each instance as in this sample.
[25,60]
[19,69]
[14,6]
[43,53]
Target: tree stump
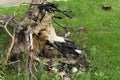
[35,37]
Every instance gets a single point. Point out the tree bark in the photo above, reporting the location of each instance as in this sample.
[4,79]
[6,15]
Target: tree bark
[35,36]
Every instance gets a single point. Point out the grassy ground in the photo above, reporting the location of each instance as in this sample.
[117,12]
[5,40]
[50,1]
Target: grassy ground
[101,34]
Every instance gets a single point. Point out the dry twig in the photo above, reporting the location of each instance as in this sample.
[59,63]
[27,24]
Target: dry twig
[13,62]
[11,35]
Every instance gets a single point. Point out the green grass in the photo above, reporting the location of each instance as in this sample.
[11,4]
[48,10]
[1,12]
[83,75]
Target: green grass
[101,36]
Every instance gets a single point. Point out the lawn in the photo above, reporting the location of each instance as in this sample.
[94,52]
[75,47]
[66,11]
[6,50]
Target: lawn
[101,36]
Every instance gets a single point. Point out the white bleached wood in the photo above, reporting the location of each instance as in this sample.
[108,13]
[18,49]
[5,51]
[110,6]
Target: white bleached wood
[78,51]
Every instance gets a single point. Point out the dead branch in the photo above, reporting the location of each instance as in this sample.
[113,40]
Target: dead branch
[18,8]
[11,35]
[10,63]
[12,43]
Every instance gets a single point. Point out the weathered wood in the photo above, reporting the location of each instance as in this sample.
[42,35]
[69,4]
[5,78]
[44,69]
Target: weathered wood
[36,36]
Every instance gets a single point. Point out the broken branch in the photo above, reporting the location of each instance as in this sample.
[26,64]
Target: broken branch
[11,35]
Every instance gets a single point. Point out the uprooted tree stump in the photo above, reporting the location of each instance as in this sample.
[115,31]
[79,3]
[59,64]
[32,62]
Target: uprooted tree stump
[36,39]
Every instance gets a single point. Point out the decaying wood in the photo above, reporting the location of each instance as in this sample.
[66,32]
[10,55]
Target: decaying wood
[36,37]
